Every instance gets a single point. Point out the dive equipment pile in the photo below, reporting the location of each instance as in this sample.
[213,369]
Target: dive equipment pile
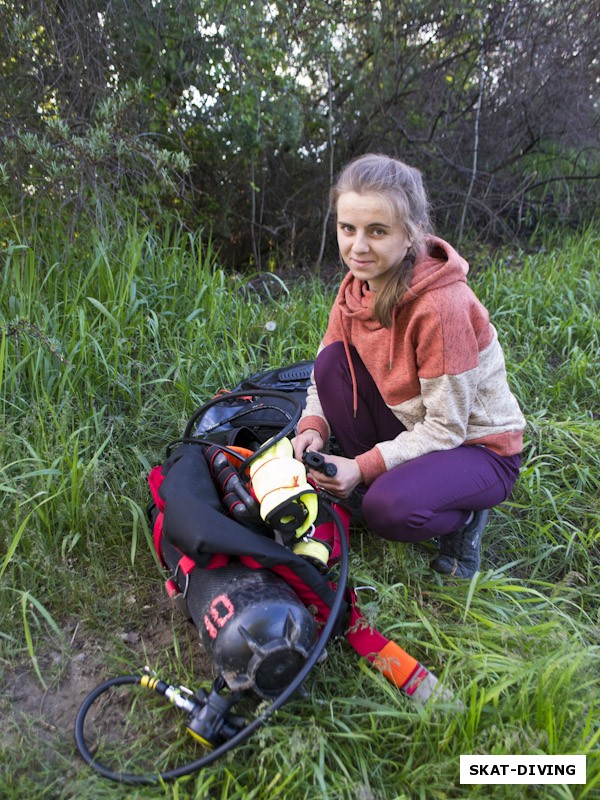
[257,557]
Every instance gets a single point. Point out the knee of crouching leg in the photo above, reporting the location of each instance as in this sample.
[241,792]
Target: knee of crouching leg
[393,517]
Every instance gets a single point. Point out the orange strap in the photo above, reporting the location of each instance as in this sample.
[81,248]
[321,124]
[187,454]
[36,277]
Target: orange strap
[395,664]
[243,451]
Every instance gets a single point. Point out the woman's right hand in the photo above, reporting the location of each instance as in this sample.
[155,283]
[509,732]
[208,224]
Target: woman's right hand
[308,440]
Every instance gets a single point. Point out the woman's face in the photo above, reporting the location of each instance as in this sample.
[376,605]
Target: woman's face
[371,239]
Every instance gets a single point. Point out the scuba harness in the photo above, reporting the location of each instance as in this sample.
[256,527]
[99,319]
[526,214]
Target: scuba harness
[250,543]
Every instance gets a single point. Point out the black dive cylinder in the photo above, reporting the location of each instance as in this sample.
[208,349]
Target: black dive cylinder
[253,626]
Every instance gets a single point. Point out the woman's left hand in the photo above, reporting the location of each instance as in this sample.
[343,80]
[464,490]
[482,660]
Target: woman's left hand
[346,479]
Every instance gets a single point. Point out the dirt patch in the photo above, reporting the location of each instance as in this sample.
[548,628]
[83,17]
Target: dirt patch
[86,659]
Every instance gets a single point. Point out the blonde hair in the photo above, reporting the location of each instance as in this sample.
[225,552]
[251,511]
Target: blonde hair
[402,187]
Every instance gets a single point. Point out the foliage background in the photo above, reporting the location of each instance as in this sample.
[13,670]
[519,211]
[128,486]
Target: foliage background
[239,114]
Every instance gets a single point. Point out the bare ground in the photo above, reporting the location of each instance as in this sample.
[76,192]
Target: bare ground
[44,717]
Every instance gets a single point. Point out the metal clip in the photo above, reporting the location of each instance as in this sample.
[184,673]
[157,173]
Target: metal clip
[179,597]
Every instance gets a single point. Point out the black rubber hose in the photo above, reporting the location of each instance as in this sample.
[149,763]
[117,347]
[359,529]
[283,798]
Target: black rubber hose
[285,430]
[80,722]
[199,412]
[209,758]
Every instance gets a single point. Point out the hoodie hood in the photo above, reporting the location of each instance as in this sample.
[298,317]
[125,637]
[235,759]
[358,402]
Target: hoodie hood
[438,266]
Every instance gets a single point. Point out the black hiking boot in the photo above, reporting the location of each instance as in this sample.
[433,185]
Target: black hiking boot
[459,554]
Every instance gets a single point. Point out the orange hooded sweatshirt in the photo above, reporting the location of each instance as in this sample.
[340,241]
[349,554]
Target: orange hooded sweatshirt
[439,367]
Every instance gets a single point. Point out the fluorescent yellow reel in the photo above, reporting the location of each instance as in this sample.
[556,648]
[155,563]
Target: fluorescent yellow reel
[287,501]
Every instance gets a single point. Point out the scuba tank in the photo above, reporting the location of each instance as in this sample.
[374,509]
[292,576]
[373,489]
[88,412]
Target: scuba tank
[252,625]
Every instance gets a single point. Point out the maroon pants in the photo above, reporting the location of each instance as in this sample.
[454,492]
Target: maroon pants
[423,498]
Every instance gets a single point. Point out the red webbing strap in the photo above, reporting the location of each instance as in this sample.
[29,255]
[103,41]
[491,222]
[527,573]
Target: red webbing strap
[157,533]
[218,560]
[304,592]
[328,534]
[389,658]
[155,478]
[186,565]
[344,514]
[360,635]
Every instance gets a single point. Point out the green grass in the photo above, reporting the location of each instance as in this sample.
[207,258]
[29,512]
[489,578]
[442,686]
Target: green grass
[106,349]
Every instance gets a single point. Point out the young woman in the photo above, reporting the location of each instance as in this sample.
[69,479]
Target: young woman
[410,377]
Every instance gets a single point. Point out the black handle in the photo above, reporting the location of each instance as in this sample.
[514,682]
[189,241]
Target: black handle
[317,461]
